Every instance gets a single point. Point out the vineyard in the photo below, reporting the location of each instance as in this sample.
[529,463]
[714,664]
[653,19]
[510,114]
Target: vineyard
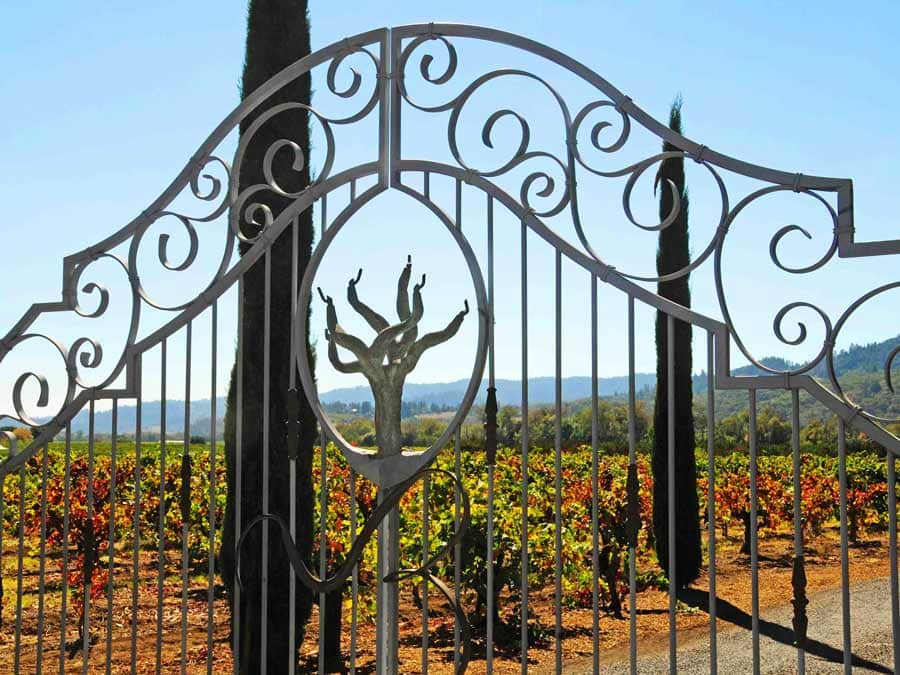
[97,533]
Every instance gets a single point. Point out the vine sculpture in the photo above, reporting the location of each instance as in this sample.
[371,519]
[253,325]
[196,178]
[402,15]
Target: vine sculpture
[393,354]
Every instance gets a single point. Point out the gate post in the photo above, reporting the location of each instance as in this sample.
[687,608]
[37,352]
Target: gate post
[387,617]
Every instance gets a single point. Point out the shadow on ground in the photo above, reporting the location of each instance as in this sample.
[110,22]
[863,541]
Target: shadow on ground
[727,612]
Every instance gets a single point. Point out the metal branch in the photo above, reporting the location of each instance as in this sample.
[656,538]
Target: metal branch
[399,348]
[373,318]
[389,335]
[430,340]
[339,335]
[347,368]
[403,290]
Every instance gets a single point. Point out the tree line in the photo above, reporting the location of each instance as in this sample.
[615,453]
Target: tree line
[731,433]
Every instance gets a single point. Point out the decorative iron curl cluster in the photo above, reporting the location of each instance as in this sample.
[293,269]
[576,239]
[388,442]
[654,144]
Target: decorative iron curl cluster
[251,218]
[608,126]
[825,353]
[86,353]
[214,195]
[212,183]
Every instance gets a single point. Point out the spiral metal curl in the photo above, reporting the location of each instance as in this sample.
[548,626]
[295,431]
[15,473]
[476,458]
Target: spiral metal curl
[43,397]
[562,177]
[889,360]
[778,237]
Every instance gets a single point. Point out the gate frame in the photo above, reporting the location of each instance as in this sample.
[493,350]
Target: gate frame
[390,59]
[388,169]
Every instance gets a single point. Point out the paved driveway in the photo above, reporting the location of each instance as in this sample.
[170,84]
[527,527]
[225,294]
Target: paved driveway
[870,608]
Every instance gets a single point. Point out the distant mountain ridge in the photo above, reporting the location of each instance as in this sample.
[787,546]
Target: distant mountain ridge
[861,365]
[509,392]
[151,418]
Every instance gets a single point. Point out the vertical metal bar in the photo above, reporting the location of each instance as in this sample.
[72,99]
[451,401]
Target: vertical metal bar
[632,461]
[323,544]
[292,461]
[67,475]
[798,508]
[354,579]
[323,488]
[210,592]
[387,629]
[558,467]
[389,139]
[711,495]
[161,544]
[264,574]
[670,428]
[136,560]
[86,582]
[20,572]
[595,483]
[457,549]
[2,527]
[111,550]
[525,441]
[457,461]
[892,554]
[238,473]
[489,637]
[425,549]
[845,555]
[386,635]
[185,517]
[754,534]
[43,559]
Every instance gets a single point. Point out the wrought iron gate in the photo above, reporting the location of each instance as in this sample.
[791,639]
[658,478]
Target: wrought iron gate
[539,186]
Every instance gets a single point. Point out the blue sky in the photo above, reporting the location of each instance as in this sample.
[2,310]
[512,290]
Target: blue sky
[101,105]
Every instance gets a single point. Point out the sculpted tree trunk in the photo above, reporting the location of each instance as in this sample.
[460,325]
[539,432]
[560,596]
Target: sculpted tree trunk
[674,255]
[277,36]
[385,363]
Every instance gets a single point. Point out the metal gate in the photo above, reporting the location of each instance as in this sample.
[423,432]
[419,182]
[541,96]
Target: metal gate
[541,184]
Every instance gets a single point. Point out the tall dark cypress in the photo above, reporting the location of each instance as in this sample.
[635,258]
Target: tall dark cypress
[277,36]
[674,254]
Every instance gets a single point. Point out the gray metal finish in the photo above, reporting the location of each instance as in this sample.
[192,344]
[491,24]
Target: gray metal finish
[754,531]
[399,63]
[711,499]
[595,468]
[670,491]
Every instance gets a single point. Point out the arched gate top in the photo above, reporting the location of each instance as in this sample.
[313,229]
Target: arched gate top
[394,58]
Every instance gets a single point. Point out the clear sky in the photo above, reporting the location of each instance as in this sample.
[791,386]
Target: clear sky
[101,104]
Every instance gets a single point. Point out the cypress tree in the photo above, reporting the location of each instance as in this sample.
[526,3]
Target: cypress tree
[277,36]
[673,255]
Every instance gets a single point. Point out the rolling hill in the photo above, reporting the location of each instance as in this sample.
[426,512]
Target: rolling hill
[859,368]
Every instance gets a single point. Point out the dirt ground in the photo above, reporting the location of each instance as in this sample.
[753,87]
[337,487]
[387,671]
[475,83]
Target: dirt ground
[868,560]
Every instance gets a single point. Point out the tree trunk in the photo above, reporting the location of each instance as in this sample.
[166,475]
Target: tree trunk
[331,640]
[745,544]
[277,35]
[387,422]
[674,255]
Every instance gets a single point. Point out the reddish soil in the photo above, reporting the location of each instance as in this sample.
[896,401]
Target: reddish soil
[868,560]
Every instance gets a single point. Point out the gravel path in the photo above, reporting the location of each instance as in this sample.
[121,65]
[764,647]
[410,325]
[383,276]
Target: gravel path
[870,608]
